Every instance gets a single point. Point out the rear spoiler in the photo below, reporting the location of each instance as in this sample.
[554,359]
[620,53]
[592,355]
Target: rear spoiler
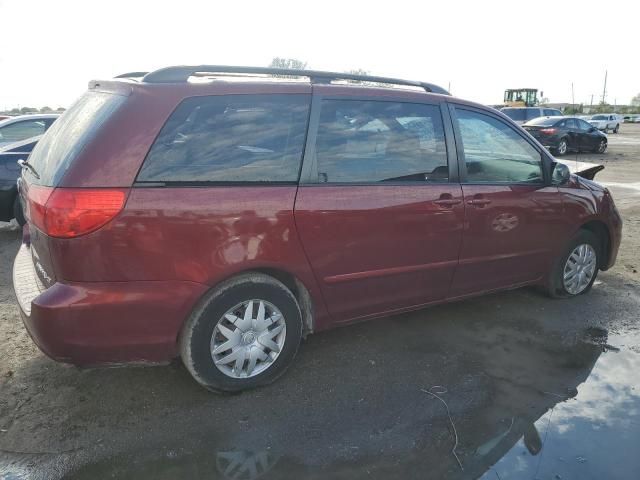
[582,169]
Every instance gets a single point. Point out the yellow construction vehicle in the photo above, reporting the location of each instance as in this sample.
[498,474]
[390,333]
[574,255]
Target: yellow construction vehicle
[521,97]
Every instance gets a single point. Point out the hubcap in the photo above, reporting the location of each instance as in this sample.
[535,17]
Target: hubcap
[602,146]
[562,148]
[248,338]
[579,269]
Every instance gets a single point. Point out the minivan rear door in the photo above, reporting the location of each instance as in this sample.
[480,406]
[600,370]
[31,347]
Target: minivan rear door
[379,210]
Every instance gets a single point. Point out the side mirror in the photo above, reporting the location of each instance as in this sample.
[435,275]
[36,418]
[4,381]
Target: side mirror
[593,129]
[560,173]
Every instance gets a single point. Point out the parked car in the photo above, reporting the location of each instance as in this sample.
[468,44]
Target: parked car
[564,134]
[10,154]
[223,220]
[606,122]
[521,115]
[4,117]
[19,128]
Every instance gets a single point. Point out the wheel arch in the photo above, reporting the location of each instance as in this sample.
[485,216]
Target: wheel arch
[600,229]
[289,280]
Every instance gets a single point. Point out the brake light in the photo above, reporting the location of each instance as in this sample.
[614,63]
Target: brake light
[548,131]
[71,212]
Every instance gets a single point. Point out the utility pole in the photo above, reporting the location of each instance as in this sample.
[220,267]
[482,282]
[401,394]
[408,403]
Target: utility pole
[573,98]
[604,90]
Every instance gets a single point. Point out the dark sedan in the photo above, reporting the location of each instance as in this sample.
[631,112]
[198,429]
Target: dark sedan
[9,172]
[562,134]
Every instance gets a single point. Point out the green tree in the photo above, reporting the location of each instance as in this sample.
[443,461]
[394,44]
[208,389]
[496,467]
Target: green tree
[25,110]
[45,110]
[635,101]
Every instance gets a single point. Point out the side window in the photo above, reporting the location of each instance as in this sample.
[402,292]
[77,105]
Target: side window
[571,123]
[493,152]
[230,138]
[549,112]
[582,125]
[21,130]
[373,141]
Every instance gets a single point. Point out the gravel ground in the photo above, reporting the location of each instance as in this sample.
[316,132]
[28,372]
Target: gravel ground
[353,405]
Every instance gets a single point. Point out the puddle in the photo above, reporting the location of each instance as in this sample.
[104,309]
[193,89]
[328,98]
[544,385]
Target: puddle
[594,435]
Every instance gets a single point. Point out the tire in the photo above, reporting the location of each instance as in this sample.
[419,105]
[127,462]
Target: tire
[601,147]
[557,286]
[209,329]
[18,213]
[562,147]
[617,129]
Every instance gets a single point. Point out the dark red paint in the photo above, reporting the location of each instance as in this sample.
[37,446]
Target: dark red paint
[123,292]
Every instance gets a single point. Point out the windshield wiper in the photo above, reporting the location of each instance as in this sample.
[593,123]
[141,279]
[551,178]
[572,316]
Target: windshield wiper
[28,166]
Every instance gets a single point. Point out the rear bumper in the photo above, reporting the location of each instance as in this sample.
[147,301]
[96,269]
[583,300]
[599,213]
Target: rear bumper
[103,322]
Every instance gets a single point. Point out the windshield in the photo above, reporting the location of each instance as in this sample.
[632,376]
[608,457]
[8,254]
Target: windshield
[58,147]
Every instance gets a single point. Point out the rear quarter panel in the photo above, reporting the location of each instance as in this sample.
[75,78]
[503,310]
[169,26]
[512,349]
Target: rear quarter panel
[195,234]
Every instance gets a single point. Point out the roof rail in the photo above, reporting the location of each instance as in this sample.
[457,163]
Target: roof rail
[132,75]
[180,74]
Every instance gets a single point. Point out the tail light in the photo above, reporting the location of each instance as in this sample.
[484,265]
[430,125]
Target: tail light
[71,212]
[548,131]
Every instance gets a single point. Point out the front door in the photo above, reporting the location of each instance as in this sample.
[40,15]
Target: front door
[512,218]
[377,216]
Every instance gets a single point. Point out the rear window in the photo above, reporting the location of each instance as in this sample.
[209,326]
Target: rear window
[599,117]
[543,121]
[517,114]
[533,113]
[231,138]
[62,142]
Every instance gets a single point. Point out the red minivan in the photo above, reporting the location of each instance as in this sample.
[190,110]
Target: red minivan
[220,214]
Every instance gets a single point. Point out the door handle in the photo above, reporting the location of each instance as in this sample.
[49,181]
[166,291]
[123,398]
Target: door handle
[479,202]
[447,202]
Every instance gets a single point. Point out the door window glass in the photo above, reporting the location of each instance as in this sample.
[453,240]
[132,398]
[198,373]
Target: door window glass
[584,125]
[21,130]
[370,141]
[494,152]
[571,123]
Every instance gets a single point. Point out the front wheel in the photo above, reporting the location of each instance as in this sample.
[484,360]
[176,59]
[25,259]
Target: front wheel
[601,147]
[243,335]
[562,147]
[577,268]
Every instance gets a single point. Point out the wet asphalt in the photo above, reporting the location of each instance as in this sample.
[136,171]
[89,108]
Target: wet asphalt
[527,387]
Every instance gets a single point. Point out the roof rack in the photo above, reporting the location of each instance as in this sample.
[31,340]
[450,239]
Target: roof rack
[179,74]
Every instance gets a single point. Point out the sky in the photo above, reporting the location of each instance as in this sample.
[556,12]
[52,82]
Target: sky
[49,50]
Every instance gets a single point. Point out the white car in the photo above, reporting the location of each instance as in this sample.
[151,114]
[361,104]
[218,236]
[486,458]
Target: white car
[606,122]
[19,128]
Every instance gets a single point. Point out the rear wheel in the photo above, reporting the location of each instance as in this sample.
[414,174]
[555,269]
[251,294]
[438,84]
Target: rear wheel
[615,130]
[577,268]
[245,334]
[562,147]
